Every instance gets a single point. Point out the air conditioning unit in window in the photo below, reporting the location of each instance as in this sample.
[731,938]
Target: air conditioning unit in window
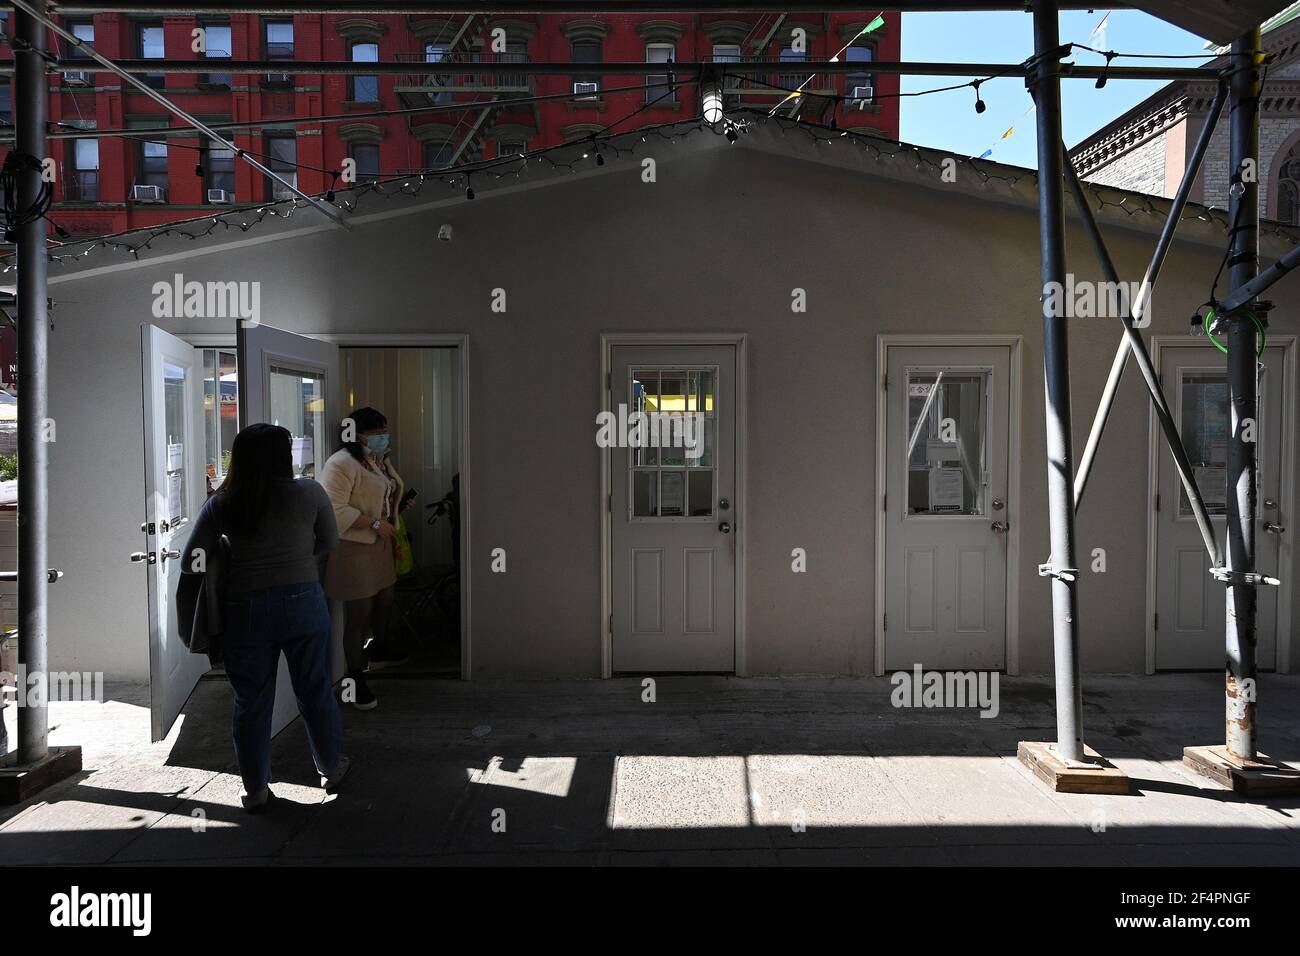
[76,78]
[863,95]
[148,194]
[219,197]
[587,91]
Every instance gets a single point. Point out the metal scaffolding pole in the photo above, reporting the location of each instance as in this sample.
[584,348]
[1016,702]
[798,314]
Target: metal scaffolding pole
[1062,568]
[513,7]
[1242,471]
[33,396]
[683,68]
[1132,342]
[1140,309]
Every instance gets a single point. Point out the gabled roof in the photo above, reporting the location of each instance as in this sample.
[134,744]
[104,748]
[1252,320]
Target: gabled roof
[885,161]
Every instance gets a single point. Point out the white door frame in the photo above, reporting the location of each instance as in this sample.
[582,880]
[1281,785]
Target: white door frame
[1013,344]
[457,340]
[1156,447]
[608,342]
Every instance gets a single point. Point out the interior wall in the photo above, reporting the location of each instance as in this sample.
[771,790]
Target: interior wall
[417,389]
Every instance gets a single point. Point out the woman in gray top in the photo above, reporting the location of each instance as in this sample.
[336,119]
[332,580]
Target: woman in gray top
[277,526]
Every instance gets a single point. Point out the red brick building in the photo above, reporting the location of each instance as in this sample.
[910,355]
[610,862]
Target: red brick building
[112,183]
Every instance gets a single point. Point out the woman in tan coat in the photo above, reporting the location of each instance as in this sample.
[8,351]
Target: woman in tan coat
[366,492]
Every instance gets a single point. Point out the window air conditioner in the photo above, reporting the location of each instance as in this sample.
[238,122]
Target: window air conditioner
[140,193]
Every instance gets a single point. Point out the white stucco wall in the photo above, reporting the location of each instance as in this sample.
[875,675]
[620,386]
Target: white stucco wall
[717,244]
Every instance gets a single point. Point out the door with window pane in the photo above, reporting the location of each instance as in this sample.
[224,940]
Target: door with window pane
[292,381]
[673,509]
[945,495]
[174,493]
[1191,607]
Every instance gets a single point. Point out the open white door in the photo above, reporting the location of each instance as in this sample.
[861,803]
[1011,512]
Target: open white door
[292,380]
[174,492]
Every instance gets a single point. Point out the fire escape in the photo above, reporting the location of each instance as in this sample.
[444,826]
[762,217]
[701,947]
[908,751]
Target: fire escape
[450,89]
[756,47]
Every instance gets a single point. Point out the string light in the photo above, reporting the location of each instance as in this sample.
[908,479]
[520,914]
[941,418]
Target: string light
[618,146]
[980,106]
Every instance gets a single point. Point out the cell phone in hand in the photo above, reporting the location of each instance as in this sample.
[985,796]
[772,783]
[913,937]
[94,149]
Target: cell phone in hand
[406,499]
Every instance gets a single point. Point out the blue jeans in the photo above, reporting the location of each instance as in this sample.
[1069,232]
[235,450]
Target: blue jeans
[259,625]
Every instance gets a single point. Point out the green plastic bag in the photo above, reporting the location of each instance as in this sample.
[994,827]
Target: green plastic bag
[402,551]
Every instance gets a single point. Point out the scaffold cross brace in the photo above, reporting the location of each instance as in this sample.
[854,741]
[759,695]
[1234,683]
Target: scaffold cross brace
[1243,577]
[1052,571]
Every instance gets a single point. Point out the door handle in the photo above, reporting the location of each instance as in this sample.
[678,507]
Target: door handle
[139,556]
[1000,527]
[170,553]
[725,527]
[1272,528]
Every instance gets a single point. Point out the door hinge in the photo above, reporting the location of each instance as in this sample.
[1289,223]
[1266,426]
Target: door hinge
[884,383]
[609,381]
[609,503]
[611,624]
[884,622]
[1155,621]
[1157,502]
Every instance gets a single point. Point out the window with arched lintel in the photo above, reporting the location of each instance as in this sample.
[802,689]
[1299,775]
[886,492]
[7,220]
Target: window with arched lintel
[1288,187]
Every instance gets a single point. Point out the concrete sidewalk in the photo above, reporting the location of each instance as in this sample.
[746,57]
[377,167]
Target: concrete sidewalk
[715,771]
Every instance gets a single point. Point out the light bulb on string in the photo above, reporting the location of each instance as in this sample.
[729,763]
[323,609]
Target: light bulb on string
[1101,80]
[980,105]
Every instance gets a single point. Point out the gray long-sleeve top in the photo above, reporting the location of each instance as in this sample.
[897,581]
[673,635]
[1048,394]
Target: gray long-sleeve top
[298,527]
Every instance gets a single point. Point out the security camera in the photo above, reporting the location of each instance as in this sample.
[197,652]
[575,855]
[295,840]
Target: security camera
[444,232]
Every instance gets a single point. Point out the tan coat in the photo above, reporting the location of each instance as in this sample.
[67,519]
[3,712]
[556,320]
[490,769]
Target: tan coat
[355,490]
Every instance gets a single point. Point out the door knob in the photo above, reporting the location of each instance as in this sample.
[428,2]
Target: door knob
[1272,528]
[725,527]
[170,553]
[1000,527]
[138,556]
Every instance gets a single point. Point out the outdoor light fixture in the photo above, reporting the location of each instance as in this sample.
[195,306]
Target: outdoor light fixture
[711,105]
[711,96]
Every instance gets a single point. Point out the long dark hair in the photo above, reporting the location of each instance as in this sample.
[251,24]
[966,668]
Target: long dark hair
[261,455]
[364,419]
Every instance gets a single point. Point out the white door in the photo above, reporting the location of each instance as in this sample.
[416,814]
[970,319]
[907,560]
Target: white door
[674,511]
[946,527]
[174,462]
[292,381]
[1191,605]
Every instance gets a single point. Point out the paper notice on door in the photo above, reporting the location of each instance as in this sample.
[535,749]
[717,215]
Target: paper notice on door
[175,456]
[937,451]
[174,505]
[303,453]
[946,486]
[1212,480]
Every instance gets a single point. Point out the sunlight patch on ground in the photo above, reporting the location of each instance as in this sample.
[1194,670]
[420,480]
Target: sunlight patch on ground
[550,776]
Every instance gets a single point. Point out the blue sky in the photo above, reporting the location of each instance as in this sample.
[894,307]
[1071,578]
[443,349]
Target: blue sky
[949,121]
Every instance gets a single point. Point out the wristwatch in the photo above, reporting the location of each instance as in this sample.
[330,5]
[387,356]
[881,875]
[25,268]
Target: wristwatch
[374,525]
